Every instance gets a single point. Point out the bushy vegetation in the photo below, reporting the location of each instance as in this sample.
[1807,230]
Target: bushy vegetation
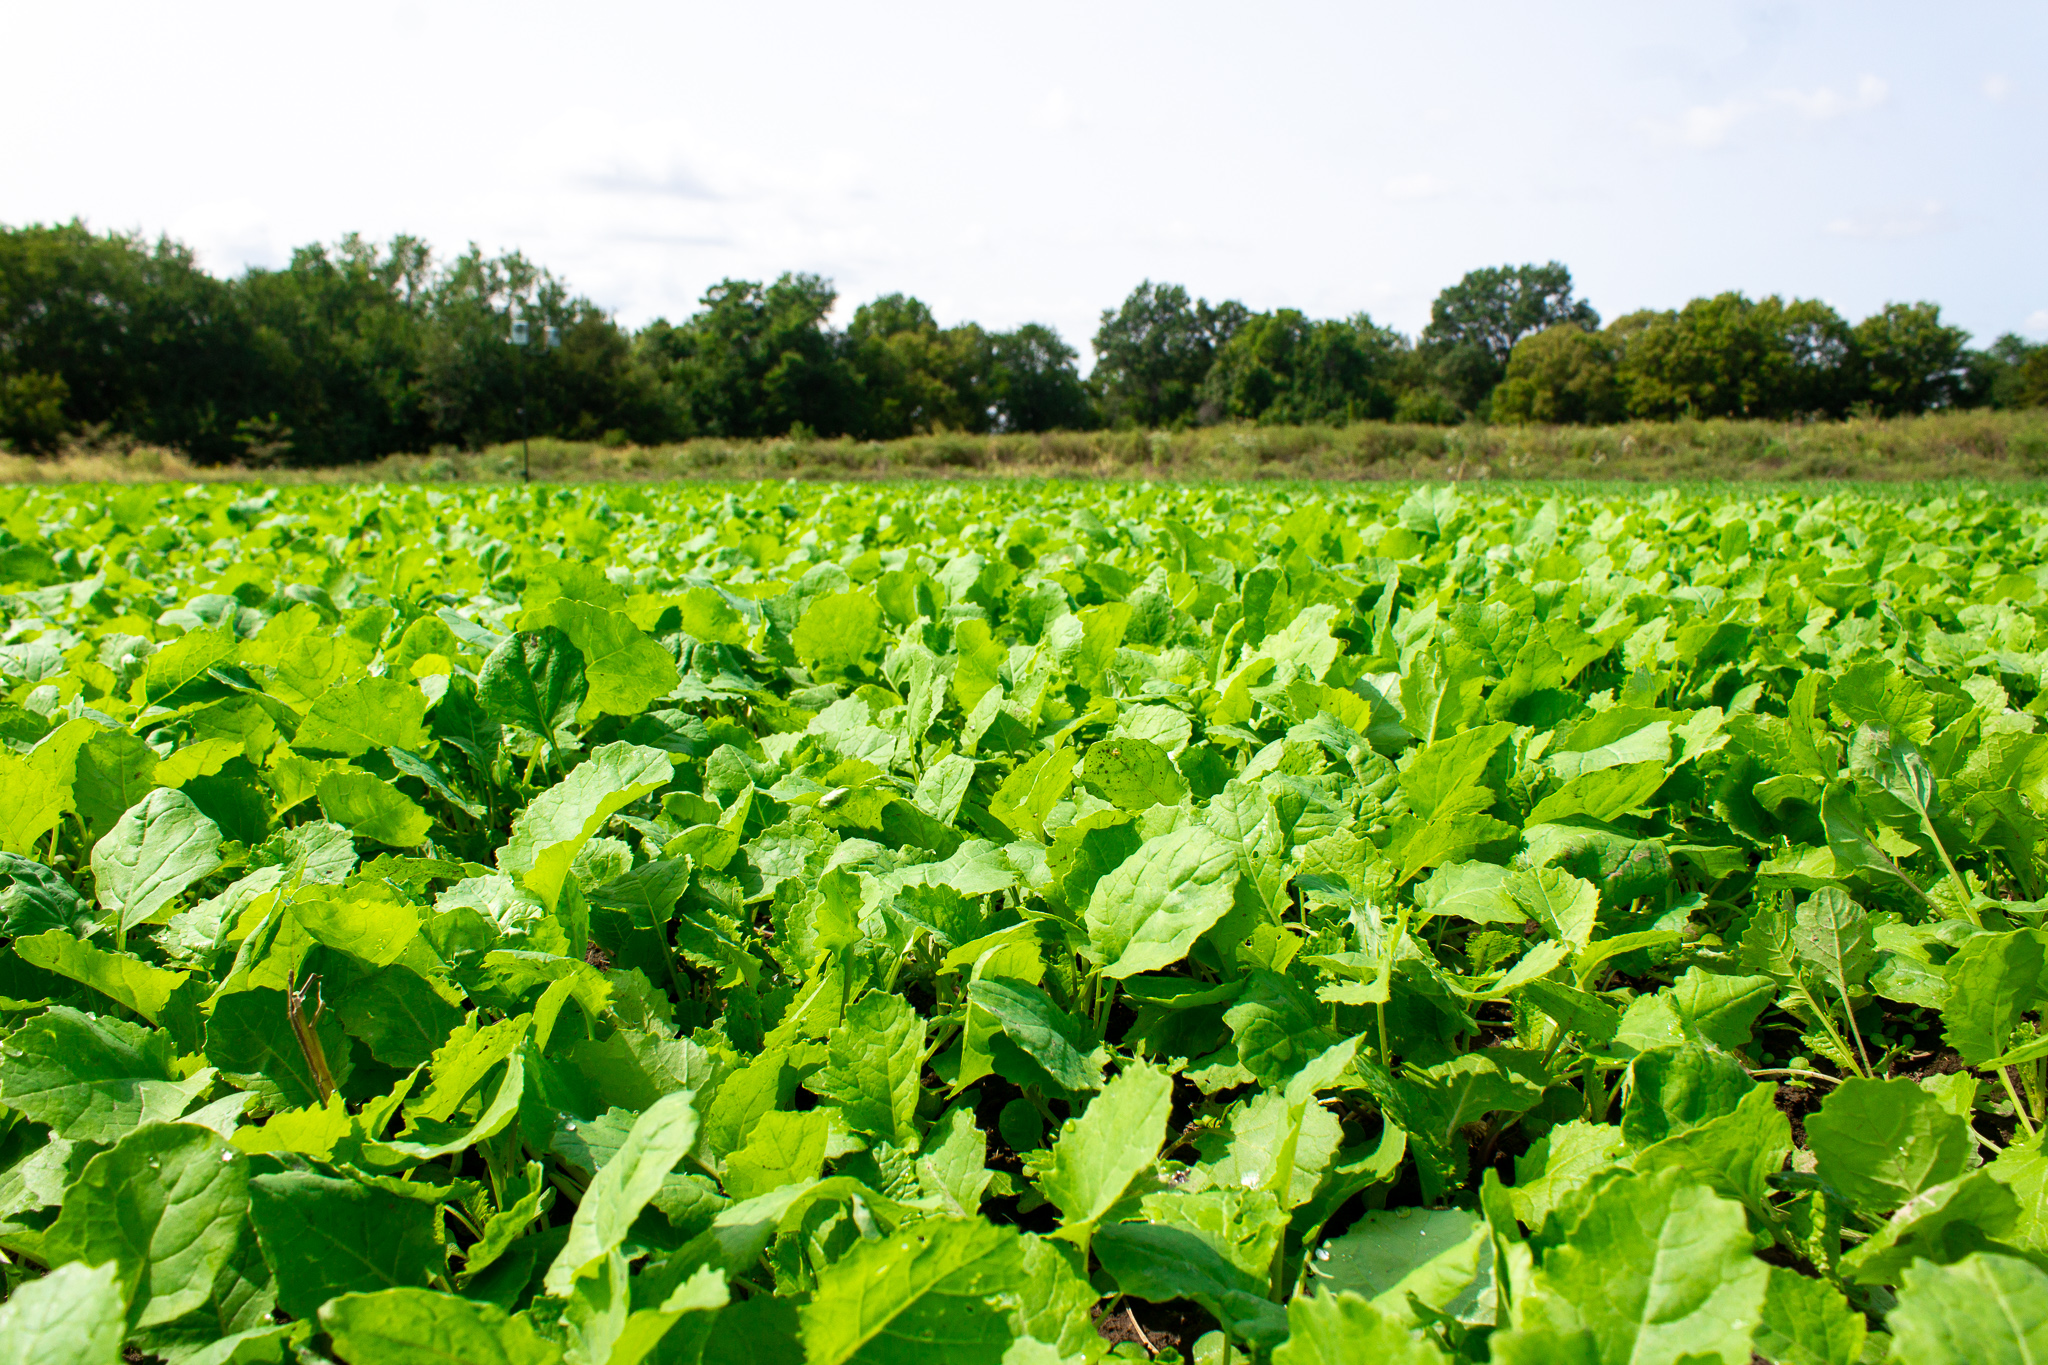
[357,351]
[833,924]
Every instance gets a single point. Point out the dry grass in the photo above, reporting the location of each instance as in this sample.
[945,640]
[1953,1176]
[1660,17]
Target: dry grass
[1971,445]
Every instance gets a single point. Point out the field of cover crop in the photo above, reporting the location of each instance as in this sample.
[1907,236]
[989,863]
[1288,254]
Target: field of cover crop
[1022,925]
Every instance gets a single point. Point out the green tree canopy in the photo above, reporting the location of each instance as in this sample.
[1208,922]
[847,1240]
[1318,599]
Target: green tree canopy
[121,332]
[756,361]
[1153,353]
[1474,324]
[1561,374]
[1912,361]
[1283,367]
[1034,384]
[1731,356]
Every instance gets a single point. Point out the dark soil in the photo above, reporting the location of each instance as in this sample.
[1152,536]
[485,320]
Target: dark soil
[1155,1326]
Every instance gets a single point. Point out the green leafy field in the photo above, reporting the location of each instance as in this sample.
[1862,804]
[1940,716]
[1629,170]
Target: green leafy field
[1018,924]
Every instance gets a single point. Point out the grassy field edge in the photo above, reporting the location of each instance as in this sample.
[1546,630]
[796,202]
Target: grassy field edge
[1997,446]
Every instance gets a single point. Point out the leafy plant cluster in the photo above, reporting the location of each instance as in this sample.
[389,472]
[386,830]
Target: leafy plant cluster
[1021,926]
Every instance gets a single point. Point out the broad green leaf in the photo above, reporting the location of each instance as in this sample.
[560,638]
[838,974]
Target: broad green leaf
[158,848]
[1057,1041]
[1673,1089]
[32,801]
[1275,1142]
[1566,906]
[1132,773]
[781,1149]
[166,1205]
[1831,933]
[1147,913]
[1342,1328]
[534,680]
[126,980]
[625,669]
[1161,1264]
[40,899]
[1466,1088]
[1882,1142]
[1099,1154]
[1559,1163]
[363,717]
[250,1038]
[925,1296]
[421,1327]
[461,1064]
[399,1016]
[1244,1227]
[75,1315]
[372,808]
[1449,773]
[1984,1310]
[324,1236]
[1384,1255]
[838,631]
[1028,795]
[1603,794]
[115,770]
[92,1079]
[1735,1153]
[424,1141]
[1875,692]
[2023,1168]
[1807,1322]
[1721,1009]
[873,1062]
[1655,1269]
[1942,1224]
[660,1138]
[551,831]
[367,922]
[1994,980]
[953,1166]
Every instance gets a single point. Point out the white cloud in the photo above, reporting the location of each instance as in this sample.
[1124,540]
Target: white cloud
[1419,186]
[2037,321]
[1914,220]
[1996,87]
[1827,103]
[1706,126]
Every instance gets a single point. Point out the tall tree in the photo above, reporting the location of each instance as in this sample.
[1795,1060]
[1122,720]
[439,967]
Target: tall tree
[1152,354]
[1732,356]
[756,361]
[1474,324]
[1282,367]
[342,332]
[110,330]
[915,375]
[1035,385]
[1560,374]
[1911,361]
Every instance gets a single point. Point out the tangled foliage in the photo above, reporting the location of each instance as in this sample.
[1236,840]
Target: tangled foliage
[984,925]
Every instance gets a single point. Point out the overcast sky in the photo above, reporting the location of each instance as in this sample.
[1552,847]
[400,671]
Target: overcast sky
[1013,163]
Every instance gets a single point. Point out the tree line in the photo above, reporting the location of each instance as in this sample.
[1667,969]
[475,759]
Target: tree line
[357,349]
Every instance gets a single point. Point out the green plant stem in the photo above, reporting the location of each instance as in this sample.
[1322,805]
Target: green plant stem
[1821,1015]
[1105,1001]
[1798,1071]
[1962,887]
[1849,1013]
[2019,1107]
